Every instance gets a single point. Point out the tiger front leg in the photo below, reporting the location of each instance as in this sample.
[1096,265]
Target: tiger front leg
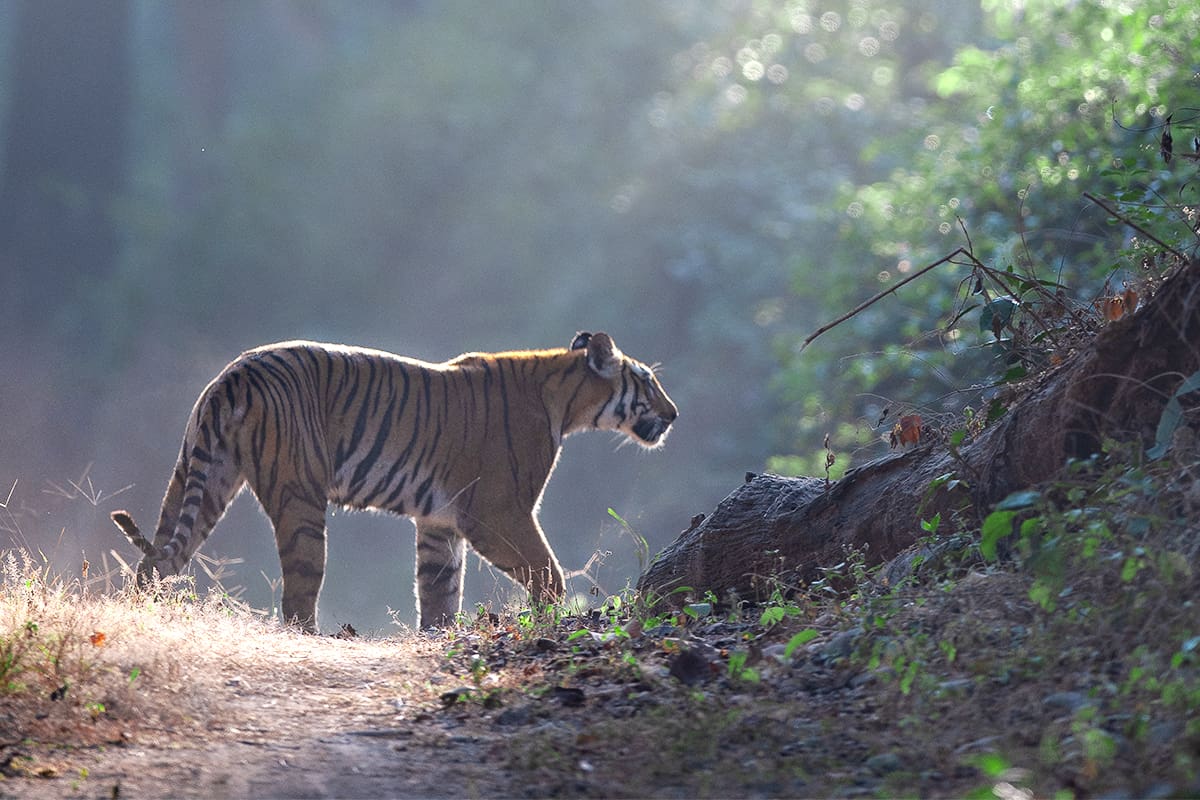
[518,547]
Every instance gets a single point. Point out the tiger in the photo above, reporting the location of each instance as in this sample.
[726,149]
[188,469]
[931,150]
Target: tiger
[465,448]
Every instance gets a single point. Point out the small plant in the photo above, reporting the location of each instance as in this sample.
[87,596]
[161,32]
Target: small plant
[641,546]
[778,608]
[738,670]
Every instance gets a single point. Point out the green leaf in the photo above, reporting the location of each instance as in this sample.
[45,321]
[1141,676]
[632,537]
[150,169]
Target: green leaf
[803,637]
[906,680]
[997,525]
[993,765]
[771,616]
[1019,500]
[1130,569]
[1014,374]
[1041,594]
[1172,415]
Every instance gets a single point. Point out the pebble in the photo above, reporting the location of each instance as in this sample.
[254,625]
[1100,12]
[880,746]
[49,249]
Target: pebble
[956,686]
[863,679]
[1067,701]
[1163,734]
[517,715]
[841,645]
[777,652]
[883,763]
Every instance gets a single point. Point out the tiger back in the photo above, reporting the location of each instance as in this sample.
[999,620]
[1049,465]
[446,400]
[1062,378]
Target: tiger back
[464,447]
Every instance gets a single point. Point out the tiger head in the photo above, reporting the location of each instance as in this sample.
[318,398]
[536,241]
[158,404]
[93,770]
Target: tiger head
[637,405]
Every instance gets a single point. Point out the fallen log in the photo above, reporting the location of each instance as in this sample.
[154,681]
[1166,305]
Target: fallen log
[1115,387]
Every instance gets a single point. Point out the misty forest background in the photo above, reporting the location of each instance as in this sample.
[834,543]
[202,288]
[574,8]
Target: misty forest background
[707,180]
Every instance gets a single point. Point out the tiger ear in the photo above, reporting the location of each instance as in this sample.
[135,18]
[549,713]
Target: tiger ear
[580,341]
[603,357]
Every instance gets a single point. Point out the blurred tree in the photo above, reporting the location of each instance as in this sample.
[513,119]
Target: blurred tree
[1056,99]
[882,124]
[771,110]
[64,154]
[64,162]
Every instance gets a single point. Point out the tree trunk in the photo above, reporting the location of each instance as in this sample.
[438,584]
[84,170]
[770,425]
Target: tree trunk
[62,173]
[64,157]
[1114,388]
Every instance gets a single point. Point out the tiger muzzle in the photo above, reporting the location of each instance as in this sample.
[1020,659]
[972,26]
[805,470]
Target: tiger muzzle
[652,429]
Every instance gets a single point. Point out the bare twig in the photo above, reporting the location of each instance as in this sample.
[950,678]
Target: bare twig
[993,274]
[91,493]
[1114,212]
[868,303]
[8,499]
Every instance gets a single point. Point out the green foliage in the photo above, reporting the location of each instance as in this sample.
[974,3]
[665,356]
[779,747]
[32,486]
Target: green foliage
[1172,416]
[778,608]
[800,639]
[1044,102]
[738,670]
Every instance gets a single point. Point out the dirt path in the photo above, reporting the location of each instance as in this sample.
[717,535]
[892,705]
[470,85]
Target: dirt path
[323,718]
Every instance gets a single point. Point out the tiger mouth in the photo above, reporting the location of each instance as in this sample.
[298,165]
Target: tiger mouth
[650,429]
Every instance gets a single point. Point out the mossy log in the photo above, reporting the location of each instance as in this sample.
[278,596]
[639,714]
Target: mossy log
[1113,387]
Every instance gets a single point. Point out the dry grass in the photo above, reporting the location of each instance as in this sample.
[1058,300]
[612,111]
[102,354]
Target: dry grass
[80,670]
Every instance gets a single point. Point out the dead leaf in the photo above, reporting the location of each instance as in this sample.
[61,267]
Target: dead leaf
[97,639]
[906,431]
[1110,308]
[1130,299]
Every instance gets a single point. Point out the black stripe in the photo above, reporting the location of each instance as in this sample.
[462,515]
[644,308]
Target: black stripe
[368,461]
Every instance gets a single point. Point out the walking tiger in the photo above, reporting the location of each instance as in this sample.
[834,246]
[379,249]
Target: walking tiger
[464,447]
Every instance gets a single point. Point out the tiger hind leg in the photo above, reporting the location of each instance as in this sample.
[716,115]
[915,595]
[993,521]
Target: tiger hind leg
[441,562]
[300,537]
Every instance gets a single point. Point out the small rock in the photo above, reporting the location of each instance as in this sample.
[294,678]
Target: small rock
[956,686]
[883,763]
[569,696]
[777,652]
[1162,789]
[841,645]
[544,645]
[1066,701]
[862,679]
[690,667]
[1163,734]
[520,715]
